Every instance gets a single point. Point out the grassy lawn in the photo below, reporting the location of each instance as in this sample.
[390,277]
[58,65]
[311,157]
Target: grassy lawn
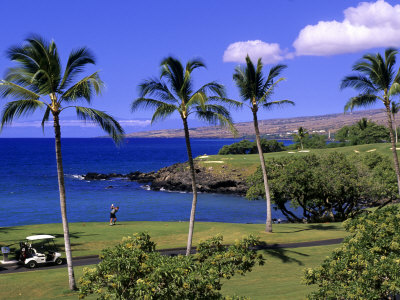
[90,238]
[247,164]
[279,278]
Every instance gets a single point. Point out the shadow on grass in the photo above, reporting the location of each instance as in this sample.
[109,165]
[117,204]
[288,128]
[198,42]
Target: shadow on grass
[312,227]
[283,255]
[6,230]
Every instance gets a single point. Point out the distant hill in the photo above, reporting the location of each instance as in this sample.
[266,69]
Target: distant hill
[274,127]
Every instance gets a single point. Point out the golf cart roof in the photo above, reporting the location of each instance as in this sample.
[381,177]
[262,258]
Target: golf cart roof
[40,237]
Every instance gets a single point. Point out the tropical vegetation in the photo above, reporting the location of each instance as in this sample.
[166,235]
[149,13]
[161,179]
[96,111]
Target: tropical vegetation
[248,147]
[376,79]
[176,95]
[326,187]
[38,82]
[366,265]
[134,270]
[256,91]
[363,132]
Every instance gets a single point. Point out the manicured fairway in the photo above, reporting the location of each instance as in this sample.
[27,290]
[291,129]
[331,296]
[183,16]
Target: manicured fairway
[90,238]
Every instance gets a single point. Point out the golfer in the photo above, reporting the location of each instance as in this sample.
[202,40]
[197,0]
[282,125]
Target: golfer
[113,217]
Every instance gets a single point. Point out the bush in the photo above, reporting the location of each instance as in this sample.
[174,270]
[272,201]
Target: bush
[247,147]
[367,265]
[363,132]
[134,270]
[327,187]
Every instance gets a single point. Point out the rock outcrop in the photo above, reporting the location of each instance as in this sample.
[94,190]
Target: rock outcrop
[177,178]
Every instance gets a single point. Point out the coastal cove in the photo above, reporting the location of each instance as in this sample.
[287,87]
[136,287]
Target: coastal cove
[29,192]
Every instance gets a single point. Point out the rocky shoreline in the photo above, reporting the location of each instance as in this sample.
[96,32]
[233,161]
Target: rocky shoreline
[177,178]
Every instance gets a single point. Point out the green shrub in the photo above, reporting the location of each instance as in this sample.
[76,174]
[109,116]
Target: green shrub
[134,270]
[367,265]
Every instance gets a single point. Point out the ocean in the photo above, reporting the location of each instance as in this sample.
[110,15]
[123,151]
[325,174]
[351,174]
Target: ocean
[29,189]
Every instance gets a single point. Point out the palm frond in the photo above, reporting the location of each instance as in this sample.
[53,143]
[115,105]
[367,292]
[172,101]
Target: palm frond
[362,100]
[217,115]
[270,105]
[45,117]
[84,88]
[105,121]
[154,87]
[10,89]
[274,72]
[173,71]
[76,61]
[394,89]
[148,103]
[358,82]
[18,108]
[229,102]
[267,94]
[162,112]
[214,88]
[198,99]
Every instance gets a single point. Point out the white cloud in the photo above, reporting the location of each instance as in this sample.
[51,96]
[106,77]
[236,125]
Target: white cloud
[270,53]
[369,25]
[79,123]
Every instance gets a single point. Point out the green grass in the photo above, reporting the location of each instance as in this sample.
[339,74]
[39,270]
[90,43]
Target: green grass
[279,278]
[90,238]
[247,164]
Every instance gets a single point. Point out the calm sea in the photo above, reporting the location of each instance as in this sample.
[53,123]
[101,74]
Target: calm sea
[29,191]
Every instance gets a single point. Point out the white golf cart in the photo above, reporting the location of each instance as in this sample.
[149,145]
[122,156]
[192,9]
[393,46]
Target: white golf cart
[39,249]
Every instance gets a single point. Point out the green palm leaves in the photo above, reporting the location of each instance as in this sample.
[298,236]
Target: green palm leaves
[173,93]
[39,74]
[375,79]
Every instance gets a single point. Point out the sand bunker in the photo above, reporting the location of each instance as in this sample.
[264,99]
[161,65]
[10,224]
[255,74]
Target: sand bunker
[304,151]
[291,152]
[372,150]
[213,162]
[356,151]
[396,148]
[204,156]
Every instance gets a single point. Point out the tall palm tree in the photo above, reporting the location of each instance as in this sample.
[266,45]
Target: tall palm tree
[174,92]
[376,80]
[362,124]
[395,108]
[301,134]
[257,90]
[38,82]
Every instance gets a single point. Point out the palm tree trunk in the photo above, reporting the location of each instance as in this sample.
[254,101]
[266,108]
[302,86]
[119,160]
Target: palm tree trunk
[194,188]
[394,151]
[395,126]
[61,187]
[268,225]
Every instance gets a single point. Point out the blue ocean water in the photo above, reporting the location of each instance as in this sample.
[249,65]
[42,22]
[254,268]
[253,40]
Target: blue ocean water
[29,189]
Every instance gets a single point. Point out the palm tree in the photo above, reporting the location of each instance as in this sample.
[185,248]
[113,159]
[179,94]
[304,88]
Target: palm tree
[257,90]
[395,108]
[301,134]
[376,80]
[37,82]
[362,124]
[176,94]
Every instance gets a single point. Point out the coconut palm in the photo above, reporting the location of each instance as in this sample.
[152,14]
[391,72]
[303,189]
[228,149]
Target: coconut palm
[257,90]
[38,82]
[362,124]
[395,108]
[376,79]
[174,92]
[301,134]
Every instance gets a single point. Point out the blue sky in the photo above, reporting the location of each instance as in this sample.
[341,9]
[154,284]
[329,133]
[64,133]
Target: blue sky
[318,40]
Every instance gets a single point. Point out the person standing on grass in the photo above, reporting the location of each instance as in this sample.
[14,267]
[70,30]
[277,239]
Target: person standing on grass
[113,217]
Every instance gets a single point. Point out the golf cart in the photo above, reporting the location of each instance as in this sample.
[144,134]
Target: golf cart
[39,249]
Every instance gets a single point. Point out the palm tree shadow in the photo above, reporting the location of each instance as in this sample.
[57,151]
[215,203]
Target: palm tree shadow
[283,255]
[311,227]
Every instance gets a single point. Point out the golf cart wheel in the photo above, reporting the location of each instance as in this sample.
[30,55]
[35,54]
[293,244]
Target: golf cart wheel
[59,261]
[32,264]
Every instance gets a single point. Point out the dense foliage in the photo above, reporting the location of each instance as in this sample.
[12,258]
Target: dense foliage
[367,265]
[309,141]
[363,132]
[248,147]
[331,186]
[134,270]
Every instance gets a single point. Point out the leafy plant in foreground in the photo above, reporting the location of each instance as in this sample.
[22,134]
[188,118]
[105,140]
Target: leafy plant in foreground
[367,265]
[134,270]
